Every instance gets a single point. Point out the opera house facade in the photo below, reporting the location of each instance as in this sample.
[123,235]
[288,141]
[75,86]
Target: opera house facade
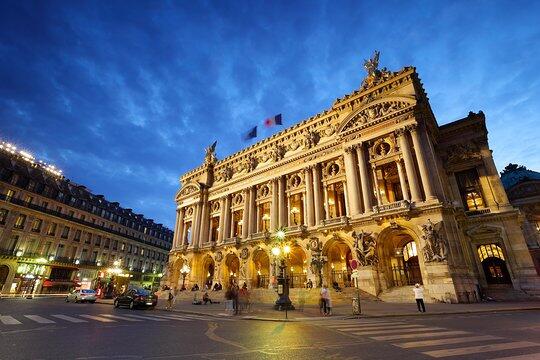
[372,183]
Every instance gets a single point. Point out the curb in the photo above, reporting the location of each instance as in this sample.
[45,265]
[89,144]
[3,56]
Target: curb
[315,318]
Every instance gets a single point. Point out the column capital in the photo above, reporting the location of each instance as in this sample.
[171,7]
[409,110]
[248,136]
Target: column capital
[400,132]
[411,128]
[350,149]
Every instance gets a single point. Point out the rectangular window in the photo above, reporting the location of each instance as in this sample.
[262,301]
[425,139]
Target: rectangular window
[3,216]
[10,194]
[264,214]
[84,255]
[65,232]
[71,213]
[83,217]
[60,250]
[215,229]
[36,225]
[470,189]
[77,236]
[12,244]
[88,238]
[59,209]
[28,199]
[336,200]
[107,243]
[46,248]
[44,204]
[19,223]
[98,240]
[52,229]
[297,209]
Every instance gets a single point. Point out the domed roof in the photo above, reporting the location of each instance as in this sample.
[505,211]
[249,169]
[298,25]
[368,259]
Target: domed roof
[513,174]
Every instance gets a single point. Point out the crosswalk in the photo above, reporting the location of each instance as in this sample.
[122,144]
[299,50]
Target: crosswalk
[12,320]
[435,341]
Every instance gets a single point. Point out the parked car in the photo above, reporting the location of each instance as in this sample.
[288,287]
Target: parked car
[136,297]
[82,295]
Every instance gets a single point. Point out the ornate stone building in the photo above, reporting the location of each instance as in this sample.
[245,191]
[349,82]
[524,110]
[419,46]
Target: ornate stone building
[373,178]
[55,234]
[523,188]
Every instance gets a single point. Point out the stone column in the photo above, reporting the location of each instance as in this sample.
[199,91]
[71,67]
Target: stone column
[253,218]
[274,209]
[317,196]
[221,232]
[245,214]
[351,174]
[282,202]
[367,190]
[195,225]
[376,186]
[427,182]
[326,213]
[179,227]
[494,181]
[227,218]
[309,206]
[409,165]
[205,220]
[402,180]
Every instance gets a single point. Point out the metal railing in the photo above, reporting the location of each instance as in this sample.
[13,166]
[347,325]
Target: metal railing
[406,275]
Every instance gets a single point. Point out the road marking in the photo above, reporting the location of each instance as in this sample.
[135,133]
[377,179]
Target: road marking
[480,349]
[119,317]
[9,320]
[69,318]
[419,335]
[144,317]
[368,324]
[97,318]
[353,328]
[39,319]
[172,317]
[535,356]
[447,341]
[418,330]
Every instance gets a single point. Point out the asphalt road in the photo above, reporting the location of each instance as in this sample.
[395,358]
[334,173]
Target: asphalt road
[52,329]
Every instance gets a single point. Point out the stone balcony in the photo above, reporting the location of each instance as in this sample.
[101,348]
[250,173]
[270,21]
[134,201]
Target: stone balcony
[402,205]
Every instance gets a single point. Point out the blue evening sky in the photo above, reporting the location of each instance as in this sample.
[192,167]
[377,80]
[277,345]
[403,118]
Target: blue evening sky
[124,95]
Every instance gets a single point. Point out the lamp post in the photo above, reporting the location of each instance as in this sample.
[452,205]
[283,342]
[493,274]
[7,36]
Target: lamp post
[281,251]
[184,271]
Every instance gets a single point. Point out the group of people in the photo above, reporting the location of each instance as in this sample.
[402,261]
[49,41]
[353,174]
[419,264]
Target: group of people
[238,299]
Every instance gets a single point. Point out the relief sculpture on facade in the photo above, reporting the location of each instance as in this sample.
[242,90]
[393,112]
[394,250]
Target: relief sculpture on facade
[435,248]
[365,247]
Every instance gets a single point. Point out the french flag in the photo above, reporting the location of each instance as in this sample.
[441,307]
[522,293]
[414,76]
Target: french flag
[274,120]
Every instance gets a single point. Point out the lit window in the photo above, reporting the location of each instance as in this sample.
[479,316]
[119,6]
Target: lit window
[409,250]
[490,250]
[470,190]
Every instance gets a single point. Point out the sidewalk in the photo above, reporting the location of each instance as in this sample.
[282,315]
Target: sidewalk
[266,312]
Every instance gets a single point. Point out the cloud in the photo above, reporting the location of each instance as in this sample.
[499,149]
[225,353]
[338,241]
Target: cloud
[125,98]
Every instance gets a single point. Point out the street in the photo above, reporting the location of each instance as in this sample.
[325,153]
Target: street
[49,328]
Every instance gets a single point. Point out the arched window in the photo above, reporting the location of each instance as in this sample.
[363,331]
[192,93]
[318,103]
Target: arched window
[490,250]
[409,250]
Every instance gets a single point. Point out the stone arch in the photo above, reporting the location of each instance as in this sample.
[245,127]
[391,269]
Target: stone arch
[353,117]
[297,266]
[208,271]
[260,268]
[174,276]
[400,261]
[338,250]
[231,268]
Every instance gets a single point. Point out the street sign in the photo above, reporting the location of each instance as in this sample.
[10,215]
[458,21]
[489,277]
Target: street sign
[354,264]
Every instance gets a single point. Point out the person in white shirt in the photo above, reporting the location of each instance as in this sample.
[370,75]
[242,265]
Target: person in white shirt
[326,301]
[419,296]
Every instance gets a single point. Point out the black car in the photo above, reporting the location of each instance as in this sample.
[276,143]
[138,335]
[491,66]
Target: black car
[136,297]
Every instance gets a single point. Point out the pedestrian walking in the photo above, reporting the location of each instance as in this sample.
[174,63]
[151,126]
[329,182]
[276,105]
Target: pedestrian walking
[419,296]
[170,298]
[325,300]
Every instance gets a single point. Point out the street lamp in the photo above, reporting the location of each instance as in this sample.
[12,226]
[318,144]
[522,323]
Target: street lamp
[184,271]
[281,251]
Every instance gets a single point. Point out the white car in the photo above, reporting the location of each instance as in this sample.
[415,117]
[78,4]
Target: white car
[82,295]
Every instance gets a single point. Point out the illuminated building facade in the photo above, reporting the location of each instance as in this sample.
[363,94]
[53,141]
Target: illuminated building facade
[373,178]
[55,234]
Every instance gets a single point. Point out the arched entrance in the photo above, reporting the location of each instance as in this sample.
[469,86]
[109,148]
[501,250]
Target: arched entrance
[398,258]
[208,271]
[261,269]
[494,264]
[4,272]
[338,270]
[297,267]
[232,268]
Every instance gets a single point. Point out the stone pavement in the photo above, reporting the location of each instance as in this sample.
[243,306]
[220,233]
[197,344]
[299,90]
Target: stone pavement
[260,311]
